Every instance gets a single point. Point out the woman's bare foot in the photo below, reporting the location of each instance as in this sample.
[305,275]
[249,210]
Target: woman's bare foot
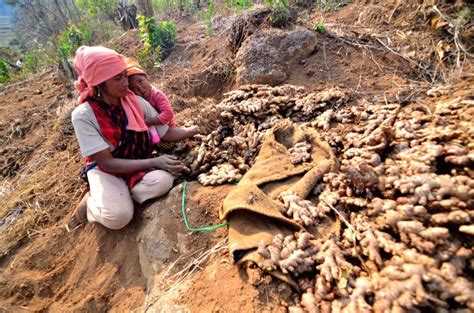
[79,216]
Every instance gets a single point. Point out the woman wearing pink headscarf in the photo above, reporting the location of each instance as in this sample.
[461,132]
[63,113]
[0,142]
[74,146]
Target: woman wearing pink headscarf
[110,127]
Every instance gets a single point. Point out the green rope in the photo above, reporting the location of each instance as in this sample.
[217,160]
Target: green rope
[185,218]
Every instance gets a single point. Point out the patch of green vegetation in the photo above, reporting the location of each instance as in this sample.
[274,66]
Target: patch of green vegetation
[209,13]
[72,38]
[319,27]
[330,5]
[281,14]
[4,71]
[31,61]
[240,4]
[159,38]
[465,14]
[175,5]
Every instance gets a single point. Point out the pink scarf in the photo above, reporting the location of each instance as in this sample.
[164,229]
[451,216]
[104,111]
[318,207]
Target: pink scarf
[95,65]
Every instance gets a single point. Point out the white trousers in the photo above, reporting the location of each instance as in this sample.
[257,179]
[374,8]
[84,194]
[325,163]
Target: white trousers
[110,201]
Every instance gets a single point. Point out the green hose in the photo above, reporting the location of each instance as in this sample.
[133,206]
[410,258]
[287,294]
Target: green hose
[185,218]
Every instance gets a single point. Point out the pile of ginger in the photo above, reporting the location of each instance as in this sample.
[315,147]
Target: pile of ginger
[234,128]
[403,196]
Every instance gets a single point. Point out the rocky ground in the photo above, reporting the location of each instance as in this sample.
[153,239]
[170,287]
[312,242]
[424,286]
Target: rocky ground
[381,85]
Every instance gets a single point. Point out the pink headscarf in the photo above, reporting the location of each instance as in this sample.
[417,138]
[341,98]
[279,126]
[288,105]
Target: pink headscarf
[95,65]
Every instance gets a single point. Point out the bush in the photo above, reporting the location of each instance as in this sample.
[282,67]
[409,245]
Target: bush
[159,38]
[31,61]
[182,5]
[72,38]
[319,27]
[209,13]
[281,12]
[240,4]
[4,71]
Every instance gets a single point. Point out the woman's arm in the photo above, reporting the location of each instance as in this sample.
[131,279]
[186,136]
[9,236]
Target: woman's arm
[153,121]
[165,162]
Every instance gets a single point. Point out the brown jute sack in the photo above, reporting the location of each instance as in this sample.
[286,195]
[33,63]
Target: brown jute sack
[252,208]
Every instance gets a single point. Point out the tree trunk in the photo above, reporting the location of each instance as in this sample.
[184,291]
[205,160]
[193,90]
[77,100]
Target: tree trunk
[61,13]
[76,9]
[127,16]
[72,15]
[145,7]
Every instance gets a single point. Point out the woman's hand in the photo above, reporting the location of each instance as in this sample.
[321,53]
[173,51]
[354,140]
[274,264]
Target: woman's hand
[165,162]
[169,163]
[193,130]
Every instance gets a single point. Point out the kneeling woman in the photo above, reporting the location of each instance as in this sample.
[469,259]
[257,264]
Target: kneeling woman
[110,127]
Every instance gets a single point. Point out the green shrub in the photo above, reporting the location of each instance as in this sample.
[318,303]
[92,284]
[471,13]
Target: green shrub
[4,71]
[319,27]
[31,61]
[72,38]
[241,4]
[175,5]
[150,59]
[281,12]
[159,38]
[330,5]
[209,13]
[97,8]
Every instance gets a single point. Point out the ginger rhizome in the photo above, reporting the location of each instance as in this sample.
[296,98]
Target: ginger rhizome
[392,229]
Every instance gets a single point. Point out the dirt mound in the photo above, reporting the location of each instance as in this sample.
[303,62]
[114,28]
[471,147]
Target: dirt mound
[93,269]
[39,156]
[129,44]
[432,41]
[265,57]
[198,66]
[379,54]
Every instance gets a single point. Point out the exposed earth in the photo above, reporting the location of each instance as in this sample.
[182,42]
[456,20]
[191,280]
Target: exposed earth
[47,267]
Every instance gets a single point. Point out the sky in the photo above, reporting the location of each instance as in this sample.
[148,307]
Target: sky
[5,9]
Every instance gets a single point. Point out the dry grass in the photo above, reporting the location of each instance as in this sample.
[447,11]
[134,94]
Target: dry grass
[45,189]
[438,54]
[170,281]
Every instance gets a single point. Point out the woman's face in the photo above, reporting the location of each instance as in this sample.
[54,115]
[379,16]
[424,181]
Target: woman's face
[117,86]
[140,85]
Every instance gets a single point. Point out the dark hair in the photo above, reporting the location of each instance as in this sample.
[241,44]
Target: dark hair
[135,75]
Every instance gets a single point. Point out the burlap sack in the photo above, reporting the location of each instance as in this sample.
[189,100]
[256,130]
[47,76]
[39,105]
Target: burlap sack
[251,208]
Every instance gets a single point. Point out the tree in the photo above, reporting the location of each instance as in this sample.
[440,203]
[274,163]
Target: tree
[127,16]
[145,7]
[96,8]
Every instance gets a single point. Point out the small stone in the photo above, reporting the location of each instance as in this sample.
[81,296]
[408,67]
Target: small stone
[310,72]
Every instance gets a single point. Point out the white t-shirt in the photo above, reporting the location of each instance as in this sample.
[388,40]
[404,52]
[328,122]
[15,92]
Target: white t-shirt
[87,127]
